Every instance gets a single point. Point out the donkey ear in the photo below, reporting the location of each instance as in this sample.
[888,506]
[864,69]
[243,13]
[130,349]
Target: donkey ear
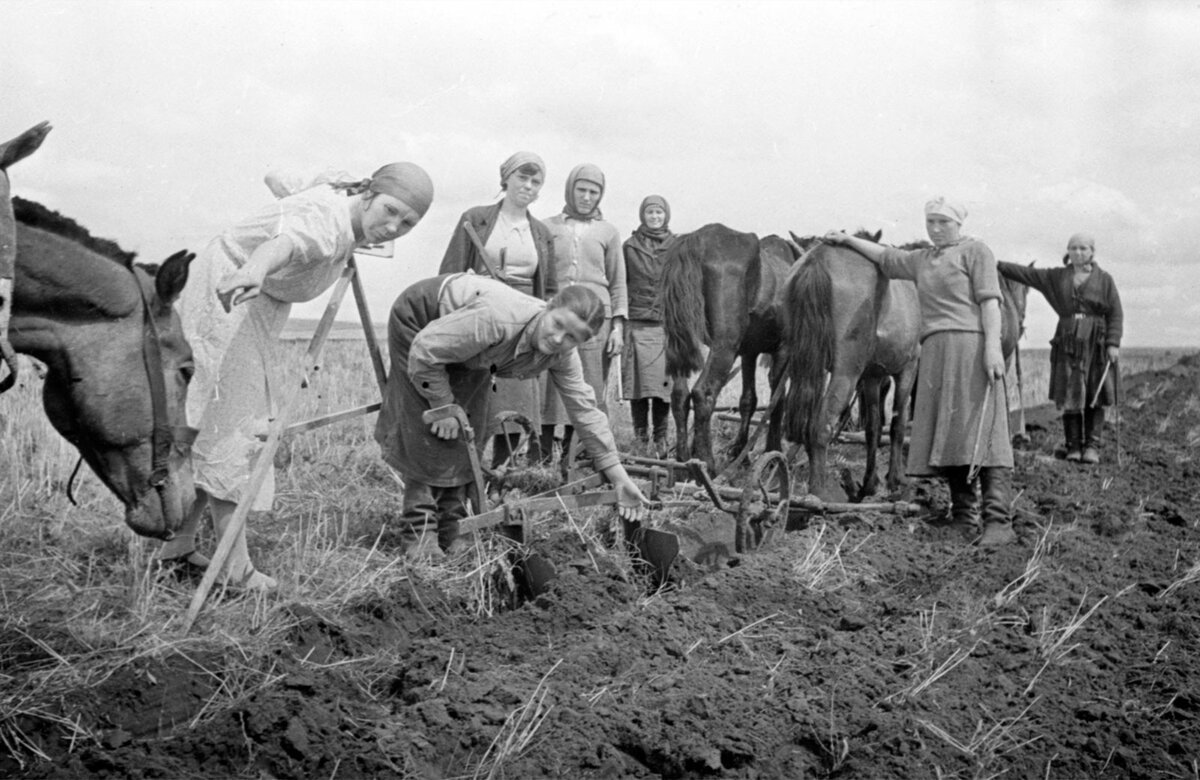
[172,276]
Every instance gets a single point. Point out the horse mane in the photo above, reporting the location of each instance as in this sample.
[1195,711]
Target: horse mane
[38,216]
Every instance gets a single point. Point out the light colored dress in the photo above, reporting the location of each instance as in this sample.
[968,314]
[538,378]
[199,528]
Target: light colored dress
[239,373]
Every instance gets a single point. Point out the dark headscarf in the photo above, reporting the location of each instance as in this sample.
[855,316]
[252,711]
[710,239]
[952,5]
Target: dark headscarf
[406,182]
[654,240]
[584,172]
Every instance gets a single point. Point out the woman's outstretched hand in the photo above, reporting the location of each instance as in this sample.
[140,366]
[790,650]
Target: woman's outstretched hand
[632,504]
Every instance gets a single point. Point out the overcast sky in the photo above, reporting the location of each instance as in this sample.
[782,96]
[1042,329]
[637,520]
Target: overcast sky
[1044,118]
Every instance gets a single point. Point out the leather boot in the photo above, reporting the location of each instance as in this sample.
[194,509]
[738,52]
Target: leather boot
[996,484]
[964,508]
[1093,433]
[546,446]
[1072,449]
[660,412]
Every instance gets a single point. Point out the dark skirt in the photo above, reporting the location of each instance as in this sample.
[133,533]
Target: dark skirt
[952,387]
[644,361]
[1078,355]
[406,441]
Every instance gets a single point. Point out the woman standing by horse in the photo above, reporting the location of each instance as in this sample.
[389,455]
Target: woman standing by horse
[960,419]
[234,309]
[644,358]
[447,337]
[587,251]
[503,240]
[1083,353]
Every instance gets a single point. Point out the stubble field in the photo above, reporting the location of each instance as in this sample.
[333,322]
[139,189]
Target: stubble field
[862,645]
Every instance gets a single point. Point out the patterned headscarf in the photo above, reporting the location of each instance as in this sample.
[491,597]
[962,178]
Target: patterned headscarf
[584,172]
[945,208]
[509,166]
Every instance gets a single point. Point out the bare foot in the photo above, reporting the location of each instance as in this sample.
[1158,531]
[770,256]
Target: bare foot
[252,581]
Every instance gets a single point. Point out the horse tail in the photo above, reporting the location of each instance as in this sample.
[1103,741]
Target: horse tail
[808,331]
[685,318]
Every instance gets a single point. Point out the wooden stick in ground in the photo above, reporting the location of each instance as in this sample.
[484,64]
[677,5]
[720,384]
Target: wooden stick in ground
[364,314]
[266,457]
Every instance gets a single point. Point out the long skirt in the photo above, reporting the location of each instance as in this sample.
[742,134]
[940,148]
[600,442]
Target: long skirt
[957,419]
[1078,356]
[596,365]
[405,439]
[238,369]
[644,362]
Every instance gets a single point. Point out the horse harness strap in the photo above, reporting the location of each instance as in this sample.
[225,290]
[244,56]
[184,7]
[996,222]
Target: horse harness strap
[152,358]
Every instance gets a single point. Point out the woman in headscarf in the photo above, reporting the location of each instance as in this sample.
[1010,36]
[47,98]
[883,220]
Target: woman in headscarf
[517,250]
[234,307]
[960,418]
[644,360]
[587,251]
[447,338]
[1083,353]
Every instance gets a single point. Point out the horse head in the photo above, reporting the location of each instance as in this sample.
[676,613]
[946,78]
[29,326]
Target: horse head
[118,368]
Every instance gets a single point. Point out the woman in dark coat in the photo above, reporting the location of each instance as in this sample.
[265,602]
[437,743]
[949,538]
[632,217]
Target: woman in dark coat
[644,380]
[448,337]
[1086,344]
[520,253]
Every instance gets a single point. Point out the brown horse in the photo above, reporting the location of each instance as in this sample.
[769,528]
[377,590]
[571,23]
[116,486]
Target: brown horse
[722,288]
[117,364]
[848,325]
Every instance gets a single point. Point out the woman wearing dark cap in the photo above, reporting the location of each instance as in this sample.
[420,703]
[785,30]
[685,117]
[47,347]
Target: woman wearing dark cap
[1086,344]
[519,252]
[240,291]
[643,361]
[960,416]
[587,251]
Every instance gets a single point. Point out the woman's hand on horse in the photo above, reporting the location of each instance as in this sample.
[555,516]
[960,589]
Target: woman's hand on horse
[446,428]
[835,237]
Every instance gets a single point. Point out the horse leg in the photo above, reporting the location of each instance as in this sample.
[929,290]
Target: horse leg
[746,406]
[680,406]
[901,408]
[239,571]
[775,423]
[837,395]
[704,399]
[869,405]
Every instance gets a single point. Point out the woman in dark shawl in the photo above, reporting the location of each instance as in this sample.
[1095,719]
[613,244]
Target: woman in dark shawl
[644,380]
[1086,344]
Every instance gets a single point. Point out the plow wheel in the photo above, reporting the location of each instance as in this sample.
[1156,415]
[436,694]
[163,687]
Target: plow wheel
[763,510]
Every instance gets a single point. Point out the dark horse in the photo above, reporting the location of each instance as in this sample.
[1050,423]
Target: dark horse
[117,363]
[848,325]
[723,289]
